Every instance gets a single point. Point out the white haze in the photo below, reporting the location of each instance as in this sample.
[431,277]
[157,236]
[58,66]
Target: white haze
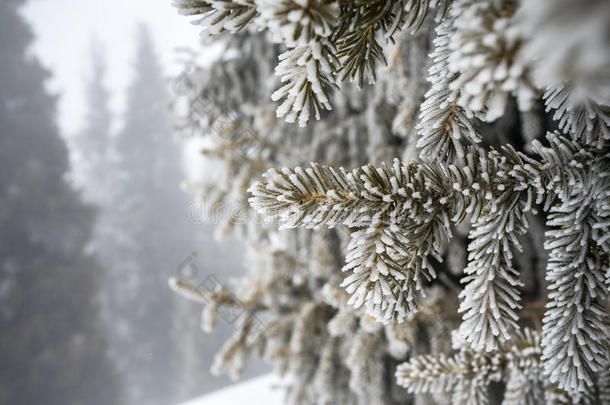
[64,31]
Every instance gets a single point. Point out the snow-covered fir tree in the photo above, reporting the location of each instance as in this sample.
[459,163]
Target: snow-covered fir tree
[450,241]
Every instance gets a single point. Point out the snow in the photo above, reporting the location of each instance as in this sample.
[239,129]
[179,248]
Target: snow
[263,390]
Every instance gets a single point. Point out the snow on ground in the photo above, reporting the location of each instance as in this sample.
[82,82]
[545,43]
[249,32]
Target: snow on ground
[263,390]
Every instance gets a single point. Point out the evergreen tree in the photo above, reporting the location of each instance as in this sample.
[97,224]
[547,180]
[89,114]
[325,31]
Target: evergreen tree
[123,240]
[92,144]
[53,344]
[147,234]
[495,144]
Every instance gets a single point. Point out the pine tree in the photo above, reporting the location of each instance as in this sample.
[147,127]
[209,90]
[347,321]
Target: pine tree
[489,147]
[92,144]
[104,173]
[144,216]
[145,233]
[53,345]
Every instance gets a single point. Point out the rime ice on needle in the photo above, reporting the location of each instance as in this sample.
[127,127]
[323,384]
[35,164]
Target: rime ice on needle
[390,225]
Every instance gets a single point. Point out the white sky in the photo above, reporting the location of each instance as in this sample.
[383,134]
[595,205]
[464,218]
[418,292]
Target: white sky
[65,29]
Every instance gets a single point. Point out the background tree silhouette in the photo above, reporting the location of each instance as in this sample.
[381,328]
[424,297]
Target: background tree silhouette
[53,346]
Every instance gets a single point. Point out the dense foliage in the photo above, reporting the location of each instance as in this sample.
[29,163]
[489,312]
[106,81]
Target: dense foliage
[502,147]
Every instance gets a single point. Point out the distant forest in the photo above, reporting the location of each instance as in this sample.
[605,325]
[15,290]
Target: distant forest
[91,228]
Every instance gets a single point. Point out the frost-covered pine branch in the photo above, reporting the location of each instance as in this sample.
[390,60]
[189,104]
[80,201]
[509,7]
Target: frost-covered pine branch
[576,321]
[322,195]
[468,374]
[445,128]
[286,271]
[485,50]
[327,40]
[490,299]
[219,15]
[307,67]
[306,71]
[581,119]
[371,240]
[406,212]
[496,191]
[298,23]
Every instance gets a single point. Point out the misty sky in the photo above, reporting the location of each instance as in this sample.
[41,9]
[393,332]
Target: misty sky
[65,30]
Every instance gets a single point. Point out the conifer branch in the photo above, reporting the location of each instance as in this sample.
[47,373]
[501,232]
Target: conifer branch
[306,72]
[407,211]
[219,15]
[396,220]
[581,120]
[490,299]
[484,54]
[576,321]
[356,39]
[297,23]
[468,374]
[445,129]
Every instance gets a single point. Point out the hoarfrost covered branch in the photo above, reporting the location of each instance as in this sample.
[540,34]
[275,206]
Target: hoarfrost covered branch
[460,135]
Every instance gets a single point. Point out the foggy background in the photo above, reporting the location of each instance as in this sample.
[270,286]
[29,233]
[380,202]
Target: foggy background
[92,218]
